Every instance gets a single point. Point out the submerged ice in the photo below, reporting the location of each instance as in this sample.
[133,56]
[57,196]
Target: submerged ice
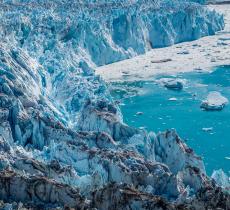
[63,141]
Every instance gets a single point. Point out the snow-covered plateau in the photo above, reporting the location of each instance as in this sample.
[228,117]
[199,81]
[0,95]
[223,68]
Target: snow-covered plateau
[63,143]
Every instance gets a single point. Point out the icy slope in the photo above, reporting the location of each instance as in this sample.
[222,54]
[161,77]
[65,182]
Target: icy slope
[63,142]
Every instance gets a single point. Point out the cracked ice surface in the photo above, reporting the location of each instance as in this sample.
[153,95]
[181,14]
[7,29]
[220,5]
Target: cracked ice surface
[63,141]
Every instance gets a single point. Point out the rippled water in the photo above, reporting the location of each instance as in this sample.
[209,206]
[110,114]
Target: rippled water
[183,114]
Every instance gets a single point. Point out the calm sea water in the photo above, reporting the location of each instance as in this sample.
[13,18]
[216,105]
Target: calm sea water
[184,114]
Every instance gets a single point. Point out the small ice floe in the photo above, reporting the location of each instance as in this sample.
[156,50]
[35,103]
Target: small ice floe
[173,99]
[207,129]
[222,44]
[172,83]
[214,102]
[185,52]
[125,72]
[224,39]
[162,60]
[199,70]
[213,60]
[142,128]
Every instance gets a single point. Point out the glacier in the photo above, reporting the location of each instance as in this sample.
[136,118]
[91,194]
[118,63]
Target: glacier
[63,142]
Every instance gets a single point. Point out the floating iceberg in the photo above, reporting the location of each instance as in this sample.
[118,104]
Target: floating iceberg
[214,101]
[172,83]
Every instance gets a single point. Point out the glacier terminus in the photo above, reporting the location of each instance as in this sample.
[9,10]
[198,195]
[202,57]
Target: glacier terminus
[63,140]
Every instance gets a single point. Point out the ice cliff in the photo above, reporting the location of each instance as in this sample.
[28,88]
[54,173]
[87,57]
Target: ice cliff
[62,139]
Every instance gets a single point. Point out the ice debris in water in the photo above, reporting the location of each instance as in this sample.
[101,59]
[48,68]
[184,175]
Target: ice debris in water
[172,83]
[173,99]
[207,129]
[214,101]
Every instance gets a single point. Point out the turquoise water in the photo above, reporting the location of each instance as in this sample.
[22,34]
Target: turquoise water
[184,114]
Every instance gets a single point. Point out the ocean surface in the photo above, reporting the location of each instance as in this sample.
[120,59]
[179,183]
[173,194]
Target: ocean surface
[149,105]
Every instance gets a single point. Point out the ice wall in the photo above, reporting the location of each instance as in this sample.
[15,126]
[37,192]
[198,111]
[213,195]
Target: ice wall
[111,30]
[63,142]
